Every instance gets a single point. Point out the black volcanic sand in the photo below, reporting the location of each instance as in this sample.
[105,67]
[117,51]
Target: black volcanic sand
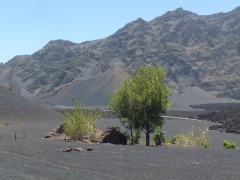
[44,159]
[25,117]
[17,109]
[31,156]
[37,158]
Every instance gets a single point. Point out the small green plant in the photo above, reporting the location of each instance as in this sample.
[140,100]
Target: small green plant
[201,138]
[191,138]
[177,139]
[78,124]
[136,136]
[2,124]
[228,144]
[158,136]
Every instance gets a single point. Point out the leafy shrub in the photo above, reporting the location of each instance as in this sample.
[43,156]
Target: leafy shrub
[177,139]
[158,136]
[2,124]
[229,144]
[192,138]
[202,139]
[136,136]
[78,125]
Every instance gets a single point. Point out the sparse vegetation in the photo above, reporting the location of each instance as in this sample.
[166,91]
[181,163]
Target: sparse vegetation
[191,138]
[228,144]
[79,125]
[202,139]
[2,124]
[178,139]
[136,136]
[158,136]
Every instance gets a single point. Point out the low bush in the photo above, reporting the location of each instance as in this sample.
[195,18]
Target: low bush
[202,139]
[228,144]
[191,138]
[2,124]
[78,125]
[178,139]
[158,136]
[136,136]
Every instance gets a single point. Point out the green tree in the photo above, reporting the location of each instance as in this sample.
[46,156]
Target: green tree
[121,105]
[142,99]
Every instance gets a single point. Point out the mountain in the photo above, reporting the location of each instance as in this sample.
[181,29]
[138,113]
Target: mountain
[197,51]
[92,92]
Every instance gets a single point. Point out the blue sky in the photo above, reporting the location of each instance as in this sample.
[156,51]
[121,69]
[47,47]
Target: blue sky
[27,25]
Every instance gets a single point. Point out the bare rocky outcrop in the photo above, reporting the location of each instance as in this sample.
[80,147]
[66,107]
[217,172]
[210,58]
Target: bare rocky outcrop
[113,135]
[229,119]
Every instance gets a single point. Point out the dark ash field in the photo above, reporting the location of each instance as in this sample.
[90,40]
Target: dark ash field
[39,158]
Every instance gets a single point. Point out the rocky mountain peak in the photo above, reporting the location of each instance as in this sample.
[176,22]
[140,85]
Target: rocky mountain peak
[59,42]
[178,13]
[132,28]
[136,23]
[201,51]
[174,17]
[179,10]
[140,20]
[54,50]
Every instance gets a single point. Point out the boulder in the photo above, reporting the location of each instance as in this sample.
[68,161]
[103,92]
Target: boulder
[89,149]
[113,135]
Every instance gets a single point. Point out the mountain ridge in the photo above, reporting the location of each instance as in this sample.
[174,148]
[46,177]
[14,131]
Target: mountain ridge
[196,50]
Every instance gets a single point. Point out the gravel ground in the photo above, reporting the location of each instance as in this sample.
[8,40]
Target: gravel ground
[45,160]
[37,158]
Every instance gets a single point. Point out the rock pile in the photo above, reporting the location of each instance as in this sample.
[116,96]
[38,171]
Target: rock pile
[59,129]
[78,149]
[113,135]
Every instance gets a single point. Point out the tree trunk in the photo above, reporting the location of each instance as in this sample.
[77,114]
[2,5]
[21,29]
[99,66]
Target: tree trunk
[147,138]
[158,141]
[147,135]
[131,131]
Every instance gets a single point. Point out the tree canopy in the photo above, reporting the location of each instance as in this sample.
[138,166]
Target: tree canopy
[142,99]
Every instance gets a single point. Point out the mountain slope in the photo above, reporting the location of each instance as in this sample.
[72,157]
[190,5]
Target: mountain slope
[201,51]
[94,92]
[16,108]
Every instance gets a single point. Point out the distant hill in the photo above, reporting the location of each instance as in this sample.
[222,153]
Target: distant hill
[95,92]
[197,51]
[15,108]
